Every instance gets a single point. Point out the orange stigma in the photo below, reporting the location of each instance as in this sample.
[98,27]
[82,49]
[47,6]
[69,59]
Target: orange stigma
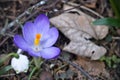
[37,39]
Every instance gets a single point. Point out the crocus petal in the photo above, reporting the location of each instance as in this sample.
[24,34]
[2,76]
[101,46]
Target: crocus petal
[20,42]
[29,32]
[50,52]
[49,41]
[42,24]
[33,53]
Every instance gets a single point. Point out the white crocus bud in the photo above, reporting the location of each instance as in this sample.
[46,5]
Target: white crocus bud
[20,64]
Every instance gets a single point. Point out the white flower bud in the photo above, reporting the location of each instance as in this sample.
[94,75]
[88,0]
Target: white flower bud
[21,64]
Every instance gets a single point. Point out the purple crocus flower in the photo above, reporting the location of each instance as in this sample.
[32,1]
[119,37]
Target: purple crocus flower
[38,38]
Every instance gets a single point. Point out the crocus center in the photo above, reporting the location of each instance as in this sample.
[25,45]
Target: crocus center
[37,39]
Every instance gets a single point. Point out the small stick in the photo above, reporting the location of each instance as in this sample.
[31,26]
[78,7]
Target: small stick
[78,67]
[42,8]
[1,43]
[7,75]
[83,7]
[116,38]
[20,16]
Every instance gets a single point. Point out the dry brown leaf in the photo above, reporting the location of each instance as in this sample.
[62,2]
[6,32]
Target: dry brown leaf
[85,48]
[77,33]
[78,28]
[94,68]
[85,23]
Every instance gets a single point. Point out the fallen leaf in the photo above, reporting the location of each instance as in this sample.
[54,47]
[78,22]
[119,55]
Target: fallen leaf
[85,21]
[78,29]
[85,48]
[94,68]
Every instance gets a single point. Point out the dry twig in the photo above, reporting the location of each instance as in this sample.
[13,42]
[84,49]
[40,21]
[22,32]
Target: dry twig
[77,67]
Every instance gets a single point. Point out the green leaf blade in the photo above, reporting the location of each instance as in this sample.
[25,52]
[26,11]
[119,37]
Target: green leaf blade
[108,21]
[5,69]
[115,4]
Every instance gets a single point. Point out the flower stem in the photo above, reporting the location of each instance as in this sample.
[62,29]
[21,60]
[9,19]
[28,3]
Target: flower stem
[34,69]
[36,62]
[40,61]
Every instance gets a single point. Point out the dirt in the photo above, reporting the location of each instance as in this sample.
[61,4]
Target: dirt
[60,70]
